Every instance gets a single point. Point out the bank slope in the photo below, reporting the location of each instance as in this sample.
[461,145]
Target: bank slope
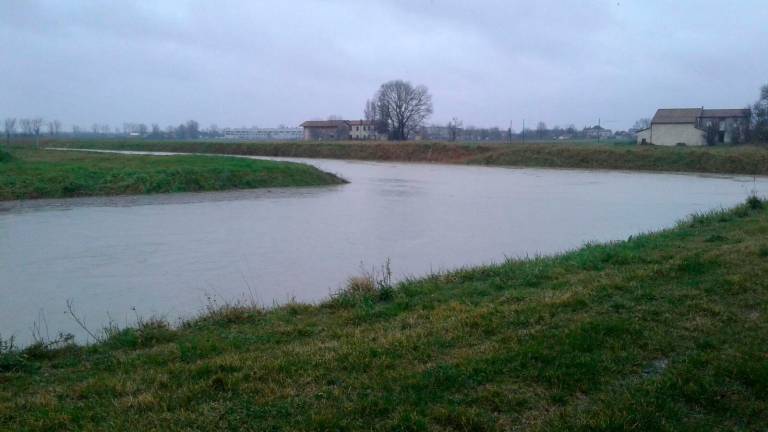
[750,160]
[35,173]
[664,331]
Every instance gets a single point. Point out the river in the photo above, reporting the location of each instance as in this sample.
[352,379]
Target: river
[171,255]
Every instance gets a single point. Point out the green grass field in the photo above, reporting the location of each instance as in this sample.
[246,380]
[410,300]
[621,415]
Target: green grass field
[664,331]
[751,160]
[32,173]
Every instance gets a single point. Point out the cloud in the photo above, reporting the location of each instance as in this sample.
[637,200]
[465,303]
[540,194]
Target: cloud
[487,62]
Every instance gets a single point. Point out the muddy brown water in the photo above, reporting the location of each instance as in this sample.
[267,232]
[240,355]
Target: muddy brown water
[171,255]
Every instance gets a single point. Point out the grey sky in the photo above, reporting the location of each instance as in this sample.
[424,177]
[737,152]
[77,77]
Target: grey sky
[237,63]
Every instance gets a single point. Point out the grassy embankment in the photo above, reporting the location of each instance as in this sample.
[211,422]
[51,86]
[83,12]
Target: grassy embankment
[726,160]
[665,331]
[31,173]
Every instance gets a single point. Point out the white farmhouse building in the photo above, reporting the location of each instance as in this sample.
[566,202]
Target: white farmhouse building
[263,134]
[690,126]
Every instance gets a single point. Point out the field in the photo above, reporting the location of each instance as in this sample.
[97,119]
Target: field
[663,331]
[750,160]
[32,173]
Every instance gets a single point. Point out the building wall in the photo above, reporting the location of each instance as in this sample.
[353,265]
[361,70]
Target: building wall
[672,134]
[730,126]
[326,133]
[361,132]
[644,134]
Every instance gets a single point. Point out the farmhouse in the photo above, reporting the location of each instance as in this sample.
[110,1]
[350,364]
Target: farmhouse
[695,127]
[362,130]
[339,130]
[326,130]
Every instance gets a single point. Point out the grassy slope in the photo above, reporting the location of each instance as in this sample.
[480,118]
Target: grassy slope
[733,160]
[54,174]
[662,332]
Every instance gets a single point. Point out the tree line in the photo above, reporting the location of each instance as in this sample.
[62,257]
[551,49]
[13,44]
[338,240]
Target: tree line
[37,127]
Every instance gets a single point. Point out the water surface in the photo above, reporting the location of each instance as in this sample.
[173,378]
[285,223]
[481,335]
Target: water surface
[166,255]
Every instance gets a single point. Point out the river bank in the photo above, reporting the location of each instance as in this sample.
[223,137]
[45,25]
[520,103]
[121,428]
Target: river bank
[38,173]
[662,331]
[747,160]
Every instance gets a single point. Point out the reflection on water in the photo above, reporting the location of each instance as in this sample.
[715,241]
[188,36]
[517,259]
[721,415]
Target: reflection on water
[164,254]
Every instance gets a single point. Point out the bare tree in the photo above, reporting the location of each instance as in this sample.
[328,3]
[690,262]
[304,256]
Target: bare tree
[454,127]
[759,129]
[10,129]
[643,123]
[402,107]
[54,127]
[36,123]
[26,126]
[541,129]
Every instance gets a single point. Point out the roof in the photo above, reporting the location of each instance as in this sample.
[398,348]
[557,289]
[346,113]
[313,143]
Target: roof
[677,115]
[690,115]
[360,122]
[725,113]
[325,123]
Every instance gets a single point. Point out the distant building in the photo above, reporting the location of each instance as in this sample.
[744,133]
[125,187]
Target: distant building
[597,132]
[689,126]
[317,130]
[363,130]
[263,134]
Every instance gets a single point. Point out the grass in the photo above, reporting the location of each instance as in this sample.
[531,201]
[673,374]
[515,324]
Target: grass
[664,331]
[751,160]
[33,173]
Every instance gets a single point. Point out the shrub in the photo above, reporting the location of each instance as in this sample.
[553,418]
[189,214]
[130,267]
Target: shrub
[5,156]
[754,203]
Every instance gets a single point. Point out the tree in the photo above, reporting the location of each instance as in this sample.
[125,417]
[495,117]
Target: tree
[541,130]
[372,115]
[402,107]
[711,133]
[26,126]
[54,127]
[643,123]
[36,123]
[454,127]
[759,127]
[192,129]
[10,129]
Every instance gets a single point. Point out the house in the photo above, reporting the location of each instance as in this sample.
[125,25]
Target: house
[315,130]
[362,130]
[598,132]
[695,127]
[263,134]
[340,130]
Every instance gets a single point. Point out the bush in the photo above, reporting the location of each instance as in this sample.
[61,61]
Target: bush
[754,203]
[5,156]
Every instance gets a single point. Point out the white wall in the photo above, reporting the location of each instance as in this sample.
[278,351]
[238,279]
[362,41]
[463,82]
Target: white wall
[671,134]
[644,134]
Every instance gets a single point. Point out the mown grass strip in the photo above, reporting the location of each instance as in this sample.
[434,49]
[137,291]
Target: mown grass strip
[33,173]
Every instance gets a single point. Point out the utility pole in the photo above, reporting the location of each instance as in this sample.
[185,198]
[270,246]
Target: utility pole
[523,133]
[599,128]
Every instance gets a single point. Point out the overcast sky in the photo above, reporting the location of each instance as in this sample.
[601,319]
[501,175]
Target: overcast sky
[243,63]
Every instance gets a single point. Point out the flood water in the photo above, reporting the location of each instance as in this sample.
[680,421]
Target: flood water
[119,257]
